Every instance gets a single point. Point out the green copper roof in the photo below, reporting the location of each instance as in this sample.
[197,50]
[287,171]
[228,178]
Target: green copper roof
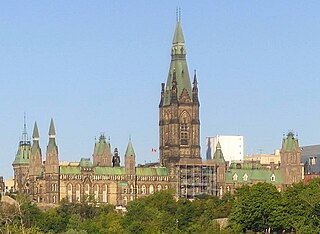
[85,162]
[130,151]
[52,131]
[290,143]
[109,171]
[102,146]
[35,134]
[179,66]
[70,170]
[254,175]
[23,153]
[123,184]
[218,155]
[151,171]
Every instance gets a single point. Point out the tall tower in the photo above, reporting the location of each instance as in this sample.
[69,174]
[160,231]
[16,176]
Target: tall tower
[179,123]
[21,163]
[102,152]
[291,166]
[35,166]
[52,167]
[130,159]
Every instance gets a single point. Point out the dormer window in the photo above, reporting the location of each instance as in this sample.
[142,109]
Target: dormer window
[273,178]
[245,177]
[235,177]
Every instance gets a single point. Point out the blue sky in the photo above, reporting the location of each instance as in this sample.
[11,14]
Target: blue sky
[96,66]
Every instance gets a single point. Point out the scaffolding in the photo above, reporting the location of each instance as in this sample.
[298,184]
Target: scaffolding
[196,179]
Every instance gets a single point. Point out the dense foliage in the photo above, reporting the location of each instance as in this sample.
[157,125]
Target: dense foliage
[256,209]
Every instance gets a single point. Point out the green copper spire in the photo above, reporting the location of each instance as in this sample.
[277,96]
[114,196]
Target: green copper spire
[35,134]
[179,68]
[218,155]
[290,143]
[52,131]
[130,151]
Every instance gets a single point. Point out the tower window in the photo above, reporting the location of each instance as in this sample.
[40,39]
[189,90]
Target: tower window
[184,134]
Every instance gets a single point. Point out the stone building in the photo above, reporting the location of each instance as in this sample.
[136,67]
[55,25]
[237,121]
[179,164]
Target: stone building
[104,179]
[250,172]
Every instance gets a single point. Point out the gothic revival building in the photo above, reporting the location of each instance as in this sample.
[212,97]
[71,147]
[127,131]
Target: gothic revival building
[180,168]
[283,174]
[179,124]
[104,178]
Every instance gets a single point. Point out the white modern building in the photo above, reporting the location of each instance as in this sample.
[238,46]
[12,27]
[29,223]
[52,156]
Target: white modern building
[232,147]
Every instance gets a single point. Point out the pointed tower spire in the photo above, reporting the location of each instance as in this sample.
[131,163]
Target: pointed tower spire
[35,134]
[130,151]
[52,131]
[218,155]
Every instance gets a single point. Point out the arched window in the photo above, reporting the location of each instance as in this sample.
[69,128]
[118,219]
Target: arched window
[166,187]
[159,187]
[125,200]
[69,193]
[54,199]
[143,189]
[151,189]
[105,193]
[96,193]
[78,194]
[184,128]
[184,134]
[87,189]
[131,189]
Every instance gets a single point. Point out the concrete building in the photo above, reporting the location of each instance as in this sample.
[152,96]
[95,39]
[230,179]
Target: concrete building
[265,159]
[231,146]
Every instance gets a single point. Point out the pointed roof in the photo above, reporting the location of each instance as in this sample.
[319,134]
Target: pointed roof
[178,34]
[130,150]
[35,134]
[290,143]
[218,155]
[178,66]
[52,131]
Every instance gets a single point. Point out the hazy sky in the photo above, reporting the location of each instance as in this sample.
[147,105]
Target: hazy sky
[96,66]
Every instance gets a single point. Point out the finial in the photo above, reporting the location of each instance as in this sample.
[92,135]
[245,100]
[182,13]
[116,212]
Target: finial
[177,19]
[129,137]
[179,14]
[24,133]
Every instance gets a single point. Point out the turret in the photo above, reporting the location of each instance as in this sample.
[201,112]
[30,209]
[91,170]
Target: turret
[52,167]
[291,166]
[102,152]
[21,163]
[130,159]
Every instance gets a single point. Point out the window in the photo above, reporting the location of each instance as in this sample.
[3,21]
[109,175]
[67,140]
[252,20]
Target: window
[273,177]
[151,189]
[143,189]
[78,192]
[105,193]
[69,192]
[312,160]
[245,177]
[159,187]
[96,193]
[184,133]
[235,177]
